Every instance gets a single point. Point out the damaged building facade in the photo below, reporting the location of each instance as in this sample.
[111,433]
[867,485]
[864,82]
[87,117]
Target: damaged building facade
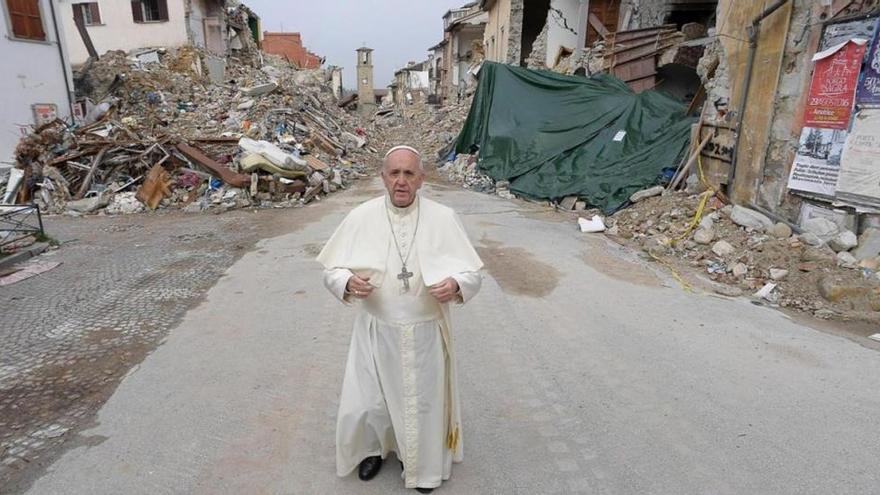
[290,46]
[463,33]
[745,67]
[411,84]
[515,29]
[764,75]
[127,26]
[32,93]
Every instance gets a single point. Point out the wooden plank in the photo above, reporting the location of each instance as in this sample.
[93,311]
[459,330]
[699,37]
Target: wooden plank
[716,157]
[643,84]
[639,69]
[839,6]
[216,168]
[630,40]
[598,26]
[690,163]
[156,187]
[316,163]
[84,34]
[622,36]
[645,52]
[96,162]
[734,19]
[669,39]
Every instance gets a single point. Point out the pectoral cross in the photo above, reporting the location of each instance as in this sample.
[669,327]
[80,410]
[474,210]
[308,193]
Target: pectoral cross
[404,277]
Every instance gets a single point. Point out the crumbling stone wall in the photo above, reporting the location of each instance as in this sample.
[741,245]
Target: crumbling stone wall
[645,13]
[538,55]
[790,99]
[514,41]
[714,69]
[787,110]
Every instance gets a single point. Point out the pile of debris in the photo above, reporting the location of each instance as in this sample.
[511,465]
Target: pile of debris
[429,128]
[157,132]
[823,268]
[463,170]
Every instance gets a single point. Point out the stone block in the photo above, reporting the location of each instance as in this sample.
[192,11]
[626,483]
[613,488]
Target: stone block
[869,244]
[822,227]
[750,219]
[723,249]
[646,193]
[844,241]
[704,236]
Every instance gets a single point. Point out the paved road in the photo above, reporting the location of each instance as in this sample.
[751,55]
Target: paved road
[581,373]
[68,337]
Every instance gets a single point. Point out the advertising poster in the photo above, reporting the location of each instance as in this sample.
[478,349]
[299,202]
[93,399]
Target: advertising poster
[859,181]
[869,85]
[44,113]
[832,90]
[839,32]
[817,162]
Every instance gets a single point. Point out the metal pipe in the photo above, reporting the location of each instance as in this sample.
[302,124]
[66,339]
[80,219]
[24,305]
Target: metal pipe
[63,59]
[754,30]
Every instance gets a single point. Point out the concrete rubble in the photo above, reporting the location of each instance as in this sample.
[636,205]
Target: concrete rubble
[263,136]
[736,250]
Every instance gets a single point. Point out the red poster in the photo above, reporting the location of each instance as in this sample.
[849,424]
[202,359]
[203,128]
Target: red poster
[833,88]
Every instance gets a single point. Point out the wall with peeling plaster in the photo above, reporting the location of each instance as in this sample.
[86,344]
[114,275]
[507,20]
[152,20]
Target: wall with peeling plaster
[497,33]
[33,73]
[562,23]
[645,13]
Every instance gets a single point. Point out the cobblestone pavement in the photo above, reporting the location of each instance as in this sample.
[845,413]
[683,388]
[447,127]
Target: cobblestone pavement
[580,372]
[67,337]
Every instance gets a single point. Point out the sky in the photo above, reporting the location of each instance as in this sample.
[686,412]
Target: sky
[398,30]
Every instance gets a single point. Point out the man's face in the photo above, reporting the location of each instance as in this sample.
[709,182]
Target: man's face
[403,177]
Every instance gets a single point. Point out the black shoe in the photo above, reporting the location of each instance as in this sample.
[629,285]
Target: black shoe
[424,490]
[369,467]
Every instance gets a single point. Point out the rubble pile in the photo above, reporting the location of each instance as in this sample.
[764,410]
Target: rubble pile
[434,130]
[159,133]
[463,170]
[429,128]
[824,270]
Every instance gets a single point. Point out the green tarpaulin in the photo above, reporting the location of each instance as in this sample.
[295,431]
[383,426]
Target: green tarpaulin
[553,135]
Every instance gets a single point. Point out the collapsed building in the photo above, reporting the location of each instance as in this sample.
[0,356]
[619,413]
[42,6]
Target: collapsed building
[739,65]
[776,191]
[212,123]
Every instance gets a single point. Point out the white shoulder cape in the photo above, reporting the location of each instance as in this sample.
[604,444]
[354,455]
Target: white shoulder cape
[362,241]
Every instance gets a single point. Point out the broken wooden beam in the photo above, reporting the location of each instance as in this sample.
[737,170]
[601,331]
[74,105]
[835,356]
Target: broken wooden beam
[156,187]
[218,140]
[217,169]
[80,23]
[96,161]
[312,192]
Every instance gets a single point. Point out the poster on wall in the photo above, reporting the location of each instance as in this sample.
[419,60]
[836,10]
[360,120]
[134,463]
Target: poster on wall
[859,181]
[869,85]
[833,88]
[44,113]
[817,162]
[840,32]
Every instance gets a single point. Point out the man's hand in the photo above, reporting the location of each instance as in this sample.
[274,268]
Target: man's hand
[445,291]
[359,287]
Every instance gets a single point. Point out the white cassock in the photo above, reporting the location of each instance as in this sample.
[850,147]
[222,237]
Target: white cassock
[399,393]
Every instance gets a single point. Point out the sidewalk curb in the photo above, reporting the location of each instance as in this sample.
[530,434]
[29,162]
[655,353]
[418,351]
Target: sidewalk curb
[22,256]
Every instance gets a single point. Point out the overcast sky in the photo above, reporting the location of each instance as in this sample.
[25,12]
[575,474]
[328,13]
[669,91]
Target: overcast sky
[398,30]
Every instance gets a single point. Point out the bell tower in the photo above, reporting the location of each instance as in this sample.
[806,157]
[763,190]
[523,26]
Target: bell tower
[366,93]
